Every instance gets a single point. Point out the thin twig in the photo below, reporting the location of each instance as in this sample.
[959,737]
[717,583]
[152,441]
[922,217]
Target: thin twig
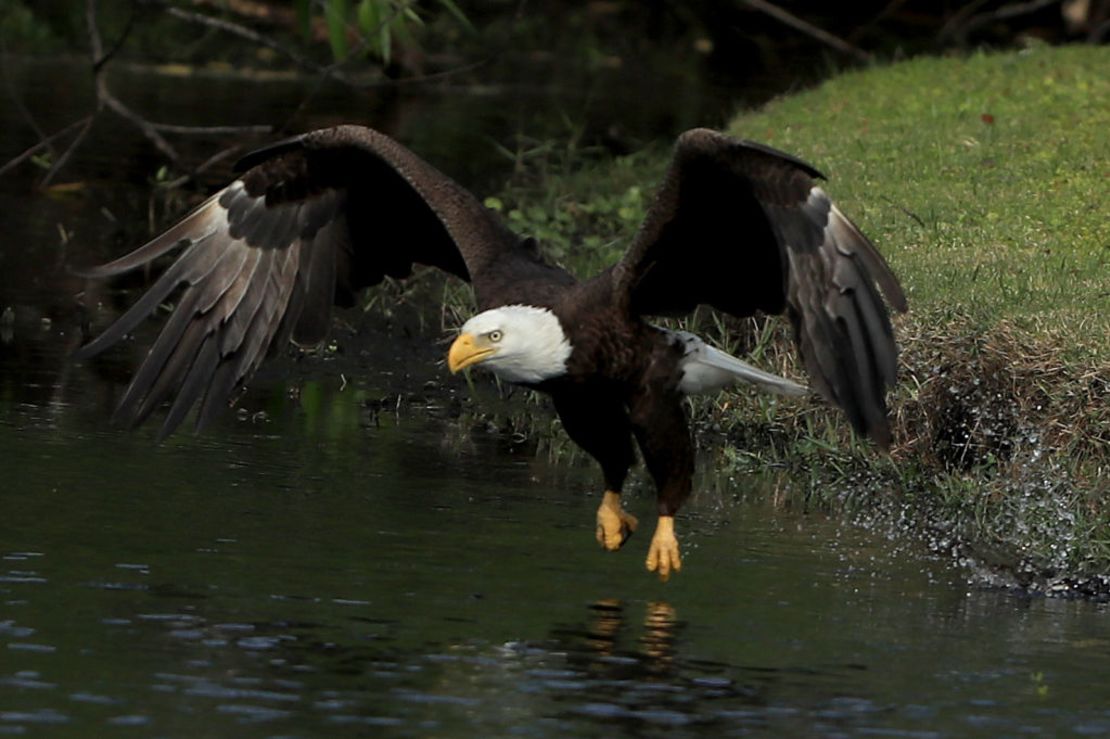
[96,51]
[1013,10]
[863,29]
[202,167]
[1099,32]
[331,71]
[153,131]
[106,56]
[1006,12]
[96,46]
[423,78]
[44,143]
[210,130]
[808,28]
[917,219]
[61,161]
[952,24]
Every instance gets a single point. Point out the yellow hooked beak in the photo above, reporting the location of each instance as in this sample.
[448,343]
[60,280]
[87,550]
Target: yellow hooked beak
[468,349]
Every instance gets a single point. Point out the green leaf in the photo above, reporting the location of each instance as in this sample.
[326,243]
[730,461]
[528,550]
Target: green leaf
[369,15]
[385,41]
[460,16]
[408,12]
[385,37]
[335,15]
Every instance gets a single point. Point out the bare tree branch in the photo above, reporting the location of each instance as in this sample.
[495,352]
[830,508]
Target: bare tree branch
[808,28]
[110,101]
[241,31]
[96,45]
[331,71]
[154,131]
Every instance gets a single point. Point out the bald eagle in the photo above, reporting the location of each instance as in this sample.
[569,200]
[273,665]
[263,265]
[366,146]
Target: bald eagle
[735,225]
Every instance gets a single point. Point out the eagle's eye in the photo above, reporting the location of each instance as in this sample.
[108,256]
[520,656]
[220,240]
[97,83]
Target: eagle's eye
[494,336]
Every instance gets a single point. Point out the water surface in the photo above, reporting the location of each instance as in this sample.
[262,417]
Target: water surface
[412,577]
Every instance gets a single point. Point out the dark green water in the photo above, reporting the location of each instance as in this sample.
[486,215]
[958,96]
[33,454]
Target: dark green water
[411,577]
[324,567]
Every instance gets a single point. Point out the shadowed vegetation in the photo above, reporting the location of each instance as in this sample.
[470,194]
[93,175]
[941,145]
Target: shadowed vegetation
[982,180]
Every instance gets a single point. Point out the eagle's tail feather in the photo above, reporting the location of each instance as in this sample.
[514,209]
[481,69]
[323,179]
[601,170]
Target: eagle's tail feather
[707,369]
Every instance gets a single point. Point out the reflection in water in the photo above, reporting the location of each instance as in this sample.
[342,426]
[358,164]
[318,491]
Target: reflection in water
[656,643]
[641,679]
[609,617]
[659,635]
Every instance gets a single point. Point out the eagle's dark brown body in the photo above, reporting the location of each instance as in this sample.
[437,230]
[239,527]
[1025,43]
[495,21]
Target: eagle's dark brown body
[622,383]
[736,226]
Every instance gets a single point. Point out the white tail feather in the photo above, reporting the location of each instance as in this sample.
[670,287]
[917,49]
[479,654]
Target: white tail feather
[706,369]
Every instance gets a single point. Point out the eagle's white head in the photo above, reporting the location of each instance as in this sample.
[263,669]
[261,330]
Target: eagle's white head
[518,343]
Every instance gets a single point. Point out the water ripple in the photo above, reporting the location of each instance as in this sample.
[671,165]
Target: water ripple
[253,714]
[29,647]
[43,716]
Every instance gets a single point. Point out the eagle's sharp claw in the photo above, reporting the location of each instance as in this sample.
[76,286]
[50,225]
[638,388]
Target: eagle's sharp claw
[663,556]
[614,524]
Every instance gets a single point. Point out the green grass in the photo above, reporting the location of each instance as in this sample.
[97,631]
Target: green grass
[983,179]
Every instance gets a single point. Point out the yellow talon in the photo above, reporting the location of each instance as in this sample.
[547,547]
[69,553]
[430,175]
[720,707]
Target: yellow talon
[614,524]
[663,556]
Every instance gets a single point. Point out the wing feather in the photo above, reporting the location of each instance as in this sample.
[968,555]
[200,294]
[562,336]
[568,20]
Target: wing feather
[318,284]
[197,261]
[168,341]
[194,383]
[311,220]
[240,341]
[164,378]
[240,303]
[192,229]
[743,228]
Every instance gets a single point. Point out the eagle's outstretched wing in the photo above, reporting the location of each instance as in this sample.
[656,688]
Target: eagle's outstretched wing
[743,228]
[311,220]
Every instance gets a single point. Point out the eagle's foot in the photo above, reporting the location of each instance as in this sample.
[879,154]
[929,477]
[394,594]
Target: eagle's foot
[663,556]
[614,524]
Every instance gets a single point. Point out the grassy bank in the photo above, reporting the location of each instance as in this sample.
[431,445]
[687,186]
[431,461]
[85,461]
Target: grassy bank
[983,180]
